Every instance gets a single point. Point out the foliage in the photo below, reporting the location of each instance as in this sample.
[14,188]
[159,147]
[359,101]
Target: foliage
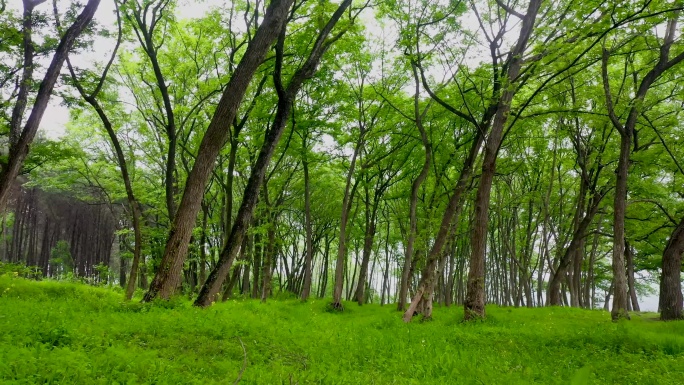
[20,270]
[60,258]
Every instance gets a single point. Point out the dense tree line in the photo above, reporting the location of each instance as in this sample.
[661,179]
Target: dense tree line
[402,151]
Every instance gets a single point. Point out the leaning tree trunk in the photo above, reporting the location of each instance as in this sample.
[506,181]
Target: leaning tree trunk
[19,150]
[286,97]
[168,274]
[670,301]
[450,218]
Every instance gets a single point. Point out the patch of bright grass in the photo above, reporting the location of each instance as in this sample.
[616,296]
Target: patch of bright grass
[67,333]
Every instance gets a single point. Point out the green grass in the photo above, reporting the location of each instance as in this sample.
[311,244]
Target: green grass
[52,332]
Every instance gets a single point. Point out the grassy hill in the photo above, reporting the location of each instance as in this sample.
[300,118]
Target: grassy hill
[54,332]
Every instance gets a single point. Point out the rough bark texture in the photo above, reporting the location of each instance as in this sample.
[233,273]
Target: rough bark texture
[474,304]
[19,150]
[629,256]
[450,216]
[626,131]
[286,97]
[619,309]
[168,274]
[308,257]
[670,302]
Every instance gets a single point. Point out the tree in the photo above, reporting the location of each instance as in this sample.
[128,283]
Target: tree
[627,134]
[475,297]
[168,275]
[286,98]
[22,139]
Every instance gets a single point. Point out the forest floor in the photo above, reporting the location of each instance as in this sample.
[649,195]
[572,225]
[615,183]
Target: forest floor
[54,332]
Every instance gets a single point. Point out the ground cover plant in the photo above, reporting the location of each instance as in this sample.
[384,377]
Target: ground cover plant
[70,333]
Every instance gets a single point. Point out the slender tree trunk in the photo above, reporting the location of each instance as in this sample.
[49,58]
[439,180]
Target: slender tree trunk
[203,248]
[342,247]
[371,218]
[257,258]
[475,292]
[589,282]
[413,202]
[308,256]
[577,241]
[629,256]
[620,298]
[606,303]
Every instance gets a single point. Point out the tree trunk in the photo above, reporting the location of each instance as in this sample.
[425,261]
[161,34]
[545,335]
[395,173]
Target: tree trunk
[341,247]
[168,273]
[371,218]
[474,303]
[286,98]
[664,64]
[577,241]
[670,301]
[629,255]
[308,256]
[269,259]
[450,218]
[619,309]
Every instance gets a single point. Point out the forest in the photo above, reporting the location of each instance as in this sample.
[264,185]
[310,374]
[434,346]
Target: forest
[449,161]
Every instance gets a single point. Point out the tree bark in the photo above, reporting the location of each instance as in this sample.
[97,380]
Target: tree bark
[308,256]
[670,301]
[167,276]
[474,304]
[629,256]
[619,309]
[450,216]
[286,97]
